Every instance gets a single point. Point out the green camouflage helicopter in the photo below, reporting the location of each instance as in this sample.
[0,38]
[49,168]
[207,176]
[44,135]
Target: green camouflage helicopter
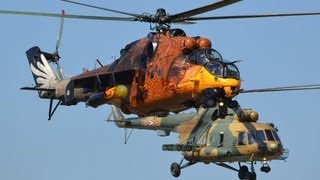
[207,137]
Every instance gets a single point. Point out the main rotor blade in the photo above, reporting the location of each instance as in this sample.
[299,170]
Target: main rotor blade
[181,16]
[251,16]
[71,16]
[60,30]
[105,9]
[284,88]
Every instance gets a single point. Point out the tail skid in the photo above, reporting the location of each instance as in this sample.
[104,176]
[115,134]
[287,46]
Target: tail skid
[46,80]
[120,122]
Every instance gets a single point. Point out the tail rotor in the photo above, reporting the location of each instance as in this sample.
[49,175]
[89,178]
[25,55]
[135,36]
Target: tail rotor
[55,55]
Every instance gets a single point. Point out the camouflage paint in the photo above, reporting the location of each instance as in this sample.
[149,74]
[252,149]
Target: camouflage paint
[197,130]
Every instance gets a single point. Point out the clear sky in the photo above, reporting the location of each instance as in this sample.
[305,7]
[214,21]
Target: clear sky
[79,144]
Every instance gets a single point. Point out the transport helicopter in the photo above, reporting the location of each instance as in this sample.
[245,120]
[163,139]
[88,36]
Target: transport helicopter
[206,138]
[166,71]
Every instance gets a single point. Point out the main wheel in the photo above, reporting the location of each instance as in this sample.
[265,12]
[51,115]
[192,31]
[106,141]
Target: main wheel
[175,169]
[243,171]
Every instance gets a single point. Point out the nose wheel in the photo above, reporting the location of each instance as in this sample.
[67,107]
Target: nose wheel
[265,168]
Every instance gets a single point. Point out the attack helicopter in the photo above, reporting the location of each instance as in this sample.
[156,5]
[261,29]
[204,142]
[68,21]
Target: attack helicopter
[166,71]
[206,138]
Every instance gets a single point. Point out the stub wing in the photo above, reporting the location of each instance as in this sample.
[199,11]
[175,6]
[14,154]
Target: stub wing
[37,89]
[102,78]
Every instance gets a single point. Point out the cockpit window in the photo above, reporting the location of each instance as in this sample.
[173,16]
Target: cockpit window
[232,71]
[203,56]
[276,136]
[213,55]
[256,137]
[260,136]
[269,135]
[213,62]
[252,137]
[215,68]
[198,57]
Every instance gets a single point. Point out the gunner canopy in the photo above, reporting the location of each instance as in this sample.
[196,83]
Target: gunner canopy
[214,63]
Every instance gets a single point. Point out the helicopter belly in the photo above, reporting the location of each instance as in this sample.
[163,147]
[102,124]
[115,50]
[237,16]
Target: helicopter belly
[208,154]
[221,154]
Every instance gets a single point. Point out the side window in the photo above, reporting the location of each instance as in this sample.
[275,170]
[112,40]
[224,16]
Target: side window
[221,139]
[152,48]
[204,140]
[212,140]
[242,138]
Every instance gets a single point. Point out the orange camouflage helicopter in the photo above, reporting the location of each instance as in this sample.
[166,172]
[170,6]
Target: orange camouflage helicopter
[167,71]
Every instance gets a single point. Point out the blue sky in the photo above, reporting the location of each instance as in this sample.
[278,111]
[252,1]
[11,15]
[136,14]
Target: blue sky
[79,144]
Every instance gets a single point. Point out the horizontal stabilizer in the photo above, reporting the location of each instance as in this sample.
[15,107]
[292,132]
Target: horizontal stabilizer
[37,89]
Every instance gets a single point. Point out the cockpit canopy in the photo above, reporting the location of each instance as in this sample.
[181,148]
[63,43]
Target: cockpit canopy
[214,63]
[258,136]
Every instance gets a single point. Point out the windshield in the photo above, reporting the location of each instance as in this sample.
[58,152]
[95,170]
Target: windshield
[203,56]
[256,137]
[232,71]
[259,136]
[276,136]
[213,62]
[269,135]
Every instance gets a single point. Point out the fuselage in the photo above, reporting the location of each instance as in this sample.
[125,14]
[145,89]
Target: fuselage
[163,73]
[237,142]
[206,138]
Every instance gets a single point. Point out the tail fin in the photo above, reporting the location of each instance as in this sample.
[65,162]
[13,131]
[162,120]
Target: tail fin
[43,75]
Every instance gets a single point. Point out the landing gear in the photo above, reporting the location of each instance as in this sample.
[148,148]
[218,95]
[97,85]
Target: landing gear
[265,167]
[175,168]
[215,98]
[51,112]
[244,173]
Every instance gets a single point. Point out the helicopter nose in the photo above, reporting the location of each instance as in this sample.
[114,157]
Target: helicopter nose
[230,91]
[231,87]
[272,146]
